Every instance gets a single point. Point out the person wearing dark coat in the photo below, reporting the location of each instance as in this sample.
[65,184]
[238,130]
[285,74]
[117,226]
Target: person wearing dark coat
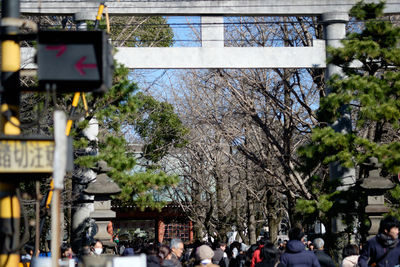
[153,261]
[177,249]
[269,256]
[382,250]
[219,257]
[296,253]
[164,252]
[128,252]
[152,258]
[324,259]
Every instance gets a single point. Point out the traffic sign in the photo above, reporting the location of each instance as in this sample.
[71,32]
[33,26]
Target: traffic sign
[74,61]
[26,155]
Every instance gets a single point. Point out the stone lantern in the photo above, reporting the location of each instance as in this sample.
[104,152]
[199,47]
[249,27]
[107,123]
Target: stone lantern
[102,188]
[375,185]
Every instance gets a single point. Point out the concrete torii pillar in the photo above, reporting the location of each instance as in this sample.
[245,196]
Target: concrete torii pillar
[334,32]
[212,31]
[81,18]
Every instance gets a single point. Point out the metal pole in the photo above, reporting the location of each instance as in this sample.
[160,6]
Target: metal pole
[9,125]
[55,228]
[37,219]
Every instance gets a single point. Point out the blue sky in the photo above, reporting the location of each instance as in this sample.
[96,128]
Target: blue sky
[156,80]
[183,34]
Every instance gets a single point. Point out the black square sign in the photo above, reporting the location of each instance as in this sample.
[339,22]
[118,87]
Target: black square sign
[74,61]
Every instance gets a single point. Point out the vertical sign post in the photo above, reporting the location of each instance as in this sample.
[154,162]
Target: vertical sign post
[10,210]
[59,166]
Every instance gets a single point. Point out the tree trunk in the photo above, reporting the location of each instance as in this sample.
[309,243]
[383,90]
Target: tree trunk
[220,201]
[68,201]
[291,208]
[273,225]
[274,217]
[251,221]
[238,220]
[198,230]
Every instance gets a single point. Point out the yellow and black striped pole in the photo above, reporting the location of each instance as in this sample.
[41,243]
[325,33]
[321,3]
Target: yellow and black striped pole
[9,220]
[9,124]
[68,127]
[99,14]
[75,102]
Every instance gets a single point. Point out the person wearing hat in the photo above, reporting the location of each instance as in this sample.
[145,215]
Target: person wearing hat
[205,254]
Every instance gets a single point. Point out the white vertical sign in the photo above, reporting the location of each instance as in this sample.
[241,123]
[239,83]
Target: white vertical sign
[60,150]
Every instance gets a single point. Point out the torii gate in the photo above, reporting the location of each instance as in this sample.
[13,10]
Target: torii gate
[213,54]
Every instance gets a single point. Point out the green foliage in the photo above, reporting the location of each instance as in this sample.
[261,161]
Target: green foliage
[325,203]
[159,126]
[371,94]
[320,207]
[367,11]
[144,187]
[327,145]
[395,192]
[124,112]
[156,122]
[394,196]
[155,31]
[306,207]
[136,31]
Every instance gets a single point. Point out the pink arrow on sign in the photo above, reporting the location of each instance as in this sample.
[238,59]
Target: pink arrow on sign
[61,49]
[80,66]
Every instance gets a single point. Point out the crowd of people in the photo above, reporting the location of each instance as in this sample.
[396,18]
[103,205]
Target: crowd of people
[383,250]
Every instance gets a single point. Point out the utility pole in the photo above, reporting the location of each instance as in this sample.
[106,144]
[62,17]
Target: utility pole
[81,59]
[9,124]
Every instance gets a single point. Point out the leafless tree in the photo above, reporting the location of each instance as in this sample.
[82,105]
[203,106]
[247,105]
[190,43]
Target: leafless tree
[246,127]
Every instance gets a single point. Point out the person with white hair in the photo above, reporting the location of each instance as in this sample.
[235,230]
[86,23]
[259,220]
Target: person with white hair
[324,259]
[177,249]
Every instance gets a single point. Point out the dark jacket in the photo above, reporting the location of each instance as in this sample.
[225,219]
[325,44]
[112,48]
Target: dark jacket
[153,261]
[297,255]
[269,264]
[208,265]
[219,258]
[218,255]
[324,259]
[375,249]
[128,252]
[168,263]
[175,260]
